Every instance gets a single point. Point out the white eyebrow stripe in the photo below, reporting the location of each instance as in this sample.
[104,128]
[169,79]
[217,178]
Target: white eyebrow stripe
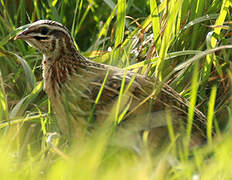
[51,27]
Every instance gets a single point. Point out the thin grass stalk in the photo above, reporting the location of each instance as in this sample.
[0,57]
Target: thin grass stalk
[198,12]
[155,22]
[120,28]
[192,104]
[3,101]
[211,113]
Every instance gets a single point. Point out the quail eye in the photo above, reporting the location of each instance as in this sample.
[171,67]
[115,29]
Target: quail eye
[44,30]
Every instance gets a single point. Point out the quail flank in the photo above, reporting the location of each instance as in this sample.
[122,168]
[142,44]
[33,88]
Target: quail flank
[72,83]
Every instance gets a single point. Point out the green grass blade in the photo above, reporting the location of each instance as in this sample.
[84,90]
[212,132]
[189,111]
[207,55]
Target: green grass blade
[212,42]
[54,11]
[97,99]
[110,3]
[220,20]
[198,11]
[169,56]
[83,18]
[18,121]
[192,104]
[120,28]
[199,20]
[121,14]
[37,11]
[74,19]
[104,29]
[22,105]
[118,105]
[3,101]
[165,42]
[155,22]
[30,77]
[211,104]
[209,58]
[200,55]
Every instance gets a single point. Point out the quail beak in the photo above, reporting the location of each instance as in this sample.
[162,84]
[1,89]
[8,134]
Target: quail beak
[23,35]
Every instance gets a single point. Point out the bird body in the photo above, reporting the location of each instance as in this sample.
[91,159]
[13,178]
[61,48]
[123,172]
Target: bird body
[74,85]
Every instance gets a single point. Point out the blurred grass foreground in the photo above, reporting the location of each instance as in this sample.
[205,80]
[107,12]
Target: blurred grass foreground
[186,44]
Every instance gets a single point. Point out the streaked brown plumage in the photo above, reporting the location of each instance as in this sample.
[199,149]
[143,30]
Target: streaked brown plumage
[72,83]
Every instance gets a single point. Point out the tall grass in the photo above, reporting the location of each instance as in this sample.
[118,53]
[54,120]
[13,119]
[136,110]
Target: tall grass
[184,43]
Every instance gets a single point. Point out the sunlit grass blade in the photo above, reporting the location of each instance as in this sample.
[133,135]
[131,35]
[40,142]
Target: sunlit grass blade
[199,20]
[83,18]
[191,109]
[104,29]
[74,19]
[209,58]
[155,22]
[119,34]
[167,37]
[220,20]
[211,114]
[37,11]
[120,28]
[200,55]
[212,40]
[169,56]
[54,10]
[12,122]
[171,129]
[97,98]
[120,100]
[3,101]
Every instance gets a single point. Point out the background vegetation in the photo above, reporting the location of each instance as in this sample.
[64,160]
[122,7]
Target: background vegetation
[185,43]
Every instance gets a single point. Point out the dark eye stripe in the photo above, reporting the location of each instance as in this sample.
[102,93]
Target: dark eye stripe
[40,38]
